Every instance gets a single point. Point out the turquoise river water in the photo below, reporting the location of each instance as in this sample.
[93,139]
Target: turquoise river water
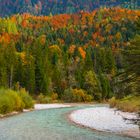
[49,124]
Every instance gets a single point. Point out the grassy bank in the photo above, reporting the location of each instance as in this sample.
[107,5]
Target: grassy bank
[11,101]
[127,104]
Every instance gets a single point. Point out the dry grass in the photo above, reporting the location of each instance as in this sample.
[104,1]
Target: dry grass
[127,104]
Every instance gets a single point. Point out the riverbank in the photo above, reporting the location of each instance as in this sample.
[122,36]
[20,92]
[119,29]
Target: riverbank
[37,107]
[45,106]
[107,120]
[127,104]
[14,113]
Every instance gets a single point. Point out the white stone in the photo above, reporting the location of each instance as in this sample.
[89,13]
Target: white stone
[105,119]
[48,106]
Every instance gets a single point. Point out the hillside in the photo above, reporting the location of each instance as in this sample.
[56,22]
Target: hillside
[45,7]
[67,53]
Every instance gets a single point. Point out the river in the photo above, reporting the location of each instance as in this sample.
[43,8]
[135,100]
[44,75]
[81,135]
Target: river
[50,124]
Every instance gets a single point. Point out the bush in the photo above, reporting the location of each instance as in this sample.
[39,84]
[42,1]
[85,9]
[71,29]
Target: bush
[40,98]
[44,99]
[76,95]
[88,98]
[68,95]
[17,101]
[48,100]
[14,101]
[26,98]
[54,96]
[10,101]
[6,104]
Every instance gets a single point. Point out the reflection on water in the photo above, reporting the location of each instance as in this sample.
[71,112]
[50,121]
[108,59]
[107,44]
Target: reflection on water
[49,125]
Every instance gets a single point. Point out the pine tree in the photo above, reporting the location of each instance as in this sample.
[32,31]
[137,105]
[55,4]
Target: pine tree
[92,85]
[10,52]
[88,60]
[128,80]
[110,62]
[3,70]
[105,86]
[132,55]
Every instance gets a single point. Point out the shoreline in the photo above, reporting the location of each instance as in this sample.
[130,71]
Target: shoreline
[125,133]
[14,113]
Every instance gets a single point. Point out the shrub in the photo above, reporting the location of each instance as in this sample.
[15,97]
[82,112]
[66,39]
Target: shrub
[48,100]
[68,96]
[6,104]
[17,101]
[44,99]
[88,98]
[26,98]
[40,98]
[14,101]
[10,101]
[54,96]
[76,95]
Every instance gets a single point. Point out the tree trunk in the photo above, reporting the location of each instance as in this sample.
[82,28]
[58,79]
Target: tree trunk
[11,77]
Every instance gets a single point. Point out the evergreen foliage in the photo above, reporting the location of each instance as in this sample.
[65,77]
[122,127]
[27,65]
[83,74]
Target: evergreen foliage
[72,53]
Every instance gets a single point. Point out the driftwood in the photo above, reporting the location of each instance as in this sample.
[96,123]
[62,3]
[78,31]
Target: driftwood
[135,121]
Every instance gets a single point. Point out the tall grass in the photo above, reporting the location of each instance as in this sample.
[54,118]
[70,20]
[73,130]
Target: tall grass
[127,104]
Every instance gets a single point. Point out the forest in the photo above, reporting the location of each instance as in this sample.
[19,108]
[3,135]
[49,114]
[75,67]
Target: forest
[47,7]
[81,57]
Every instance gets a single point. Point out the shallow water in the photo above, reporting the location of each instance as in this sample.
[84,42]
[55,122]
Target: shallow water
[49,124]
